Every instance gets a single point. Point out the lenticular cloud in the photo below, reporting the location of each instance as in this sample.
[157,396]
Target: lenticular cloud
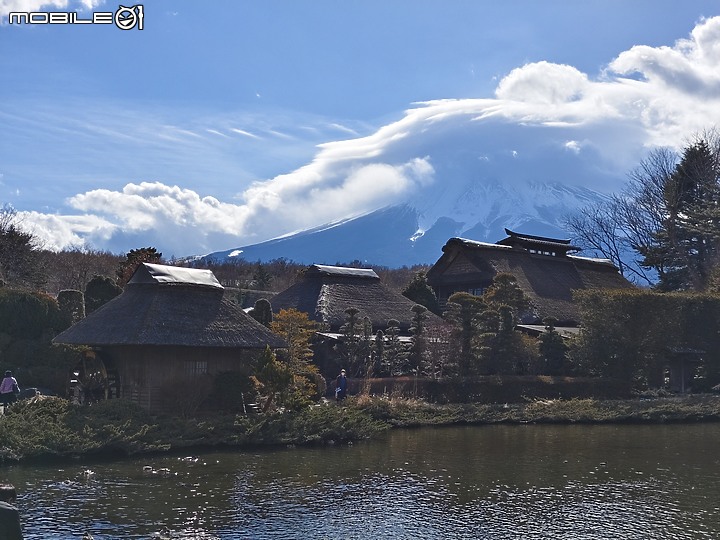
[599,126]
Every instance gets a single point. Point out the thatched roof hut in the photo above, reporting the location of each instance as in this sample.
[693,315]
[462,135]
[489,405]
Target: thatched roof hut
[325,292]
[170,323]
[171,306]
[542,266]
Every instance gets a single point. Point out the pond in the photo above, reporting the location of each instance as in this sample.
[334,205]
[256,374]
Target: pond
[474,482]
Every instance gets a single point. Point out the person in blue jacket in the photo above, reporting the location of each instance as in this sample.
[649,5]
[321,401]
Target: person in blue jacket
[341,386]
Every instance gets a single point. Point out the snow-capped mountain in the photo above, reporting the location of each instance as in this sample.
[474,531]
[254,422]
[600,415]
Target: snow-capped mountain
[398,195]
[414,232]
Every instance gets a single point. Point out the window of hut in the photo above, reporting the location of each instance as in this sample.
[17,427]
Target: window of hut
[196,367]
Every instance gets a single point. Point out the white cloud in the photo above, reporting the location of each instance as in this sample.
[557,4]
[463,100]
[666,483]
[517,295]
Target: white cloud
[646,96]
[56,232]
[152,205]
[244,133]
[573,146]
[543,83]
[9,6]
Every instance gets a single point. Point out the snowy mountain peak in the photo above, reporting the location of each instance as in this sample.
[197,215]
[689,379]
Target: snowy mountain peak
[414,232]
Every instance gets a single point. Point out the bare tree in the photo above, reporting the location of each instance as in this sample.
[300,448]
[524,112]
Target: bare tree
[665,224]
[602,229]
[74,268]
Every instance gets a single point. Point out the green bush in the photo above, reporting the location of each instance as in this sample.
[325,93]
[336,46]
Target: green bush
[29,321]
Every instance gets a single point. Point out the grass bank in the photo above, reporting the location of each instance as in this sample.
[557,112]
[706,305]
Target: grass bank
[54,428]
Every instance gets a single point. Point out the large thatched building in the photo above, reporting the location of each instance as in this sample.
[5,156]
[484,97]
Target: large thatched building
[543,268]
[325,292]
[168,329]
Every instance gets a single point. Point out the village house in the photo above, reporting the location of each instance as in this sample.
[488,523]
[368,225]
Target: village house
[170,328]
[324,293]
[546,269]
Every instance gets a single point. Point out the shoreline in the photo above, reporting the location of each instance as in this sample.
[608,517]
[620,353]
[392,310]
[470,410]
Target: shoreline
[52,430]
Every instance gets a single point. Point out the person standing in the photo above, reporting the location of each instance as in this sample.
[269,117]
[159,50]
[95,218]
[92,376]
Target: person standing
[9,389]
[9,515]
[341,386]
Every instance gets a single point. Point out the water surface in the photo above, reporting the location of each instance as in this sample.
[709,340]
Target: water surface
[476,482]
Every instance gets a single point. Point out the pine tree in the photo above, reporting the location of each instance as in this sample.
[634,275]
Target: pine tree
[421,293]
[20,261]
[684,248]
[100,290]
[378,353]
[352,346]
[72,305]
[271,377]
[552,349]
[262,312]
[504,290]
[261,278]
[395,353]
[461,312]
[133,259]
[298,330]
[418,348]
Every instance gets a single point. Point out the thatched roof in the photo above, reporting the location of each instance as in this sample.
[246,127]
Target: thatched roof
[171,306]
[548,281]
[325,292]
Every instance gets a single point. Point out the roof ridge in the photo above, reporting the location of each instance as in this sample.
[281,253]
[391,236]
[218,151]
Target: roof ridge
[341,271]
[514,234]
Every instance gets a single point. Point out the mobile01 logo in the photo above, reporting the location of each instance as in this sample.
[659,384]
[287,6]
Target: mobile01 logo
[125,18]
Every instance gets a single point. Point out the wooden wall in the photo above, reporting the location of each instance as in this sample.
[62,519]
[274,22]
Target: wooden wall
[146,373]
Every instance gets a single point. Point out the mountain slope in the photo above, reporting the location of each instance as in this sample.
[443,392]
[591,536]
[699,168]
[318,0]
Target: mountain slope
[414,232]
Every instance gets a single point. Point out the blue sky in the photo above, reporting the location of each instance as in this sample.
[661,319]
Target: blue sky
[212,128]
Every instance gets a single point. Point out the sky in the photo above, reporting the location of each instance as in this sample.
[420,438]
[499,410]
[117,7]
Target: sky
[241,121]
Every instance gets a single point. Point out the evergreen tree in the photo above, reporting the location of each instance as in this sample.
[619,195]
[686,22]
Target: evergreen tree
[395,353]
[378,354]
[461,312]
[350,346]
[72,305]
[683,245]
[20,255]
[552,349]
[28,322]
[504,290]
[418,349]
[261,278]
[501,350]
[486,326]
[133,259]
[421,293]
[100,290]
[366,346]
[262,312]
[271,377]
[298,330]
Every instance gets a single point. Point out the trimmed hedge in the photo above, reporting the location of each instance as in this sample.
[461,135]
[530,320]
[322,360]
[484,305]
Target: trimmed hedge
[496,389]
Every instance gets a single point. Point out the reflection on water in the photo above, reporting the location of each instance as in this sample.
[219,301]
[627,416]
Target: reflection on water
[496,482]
